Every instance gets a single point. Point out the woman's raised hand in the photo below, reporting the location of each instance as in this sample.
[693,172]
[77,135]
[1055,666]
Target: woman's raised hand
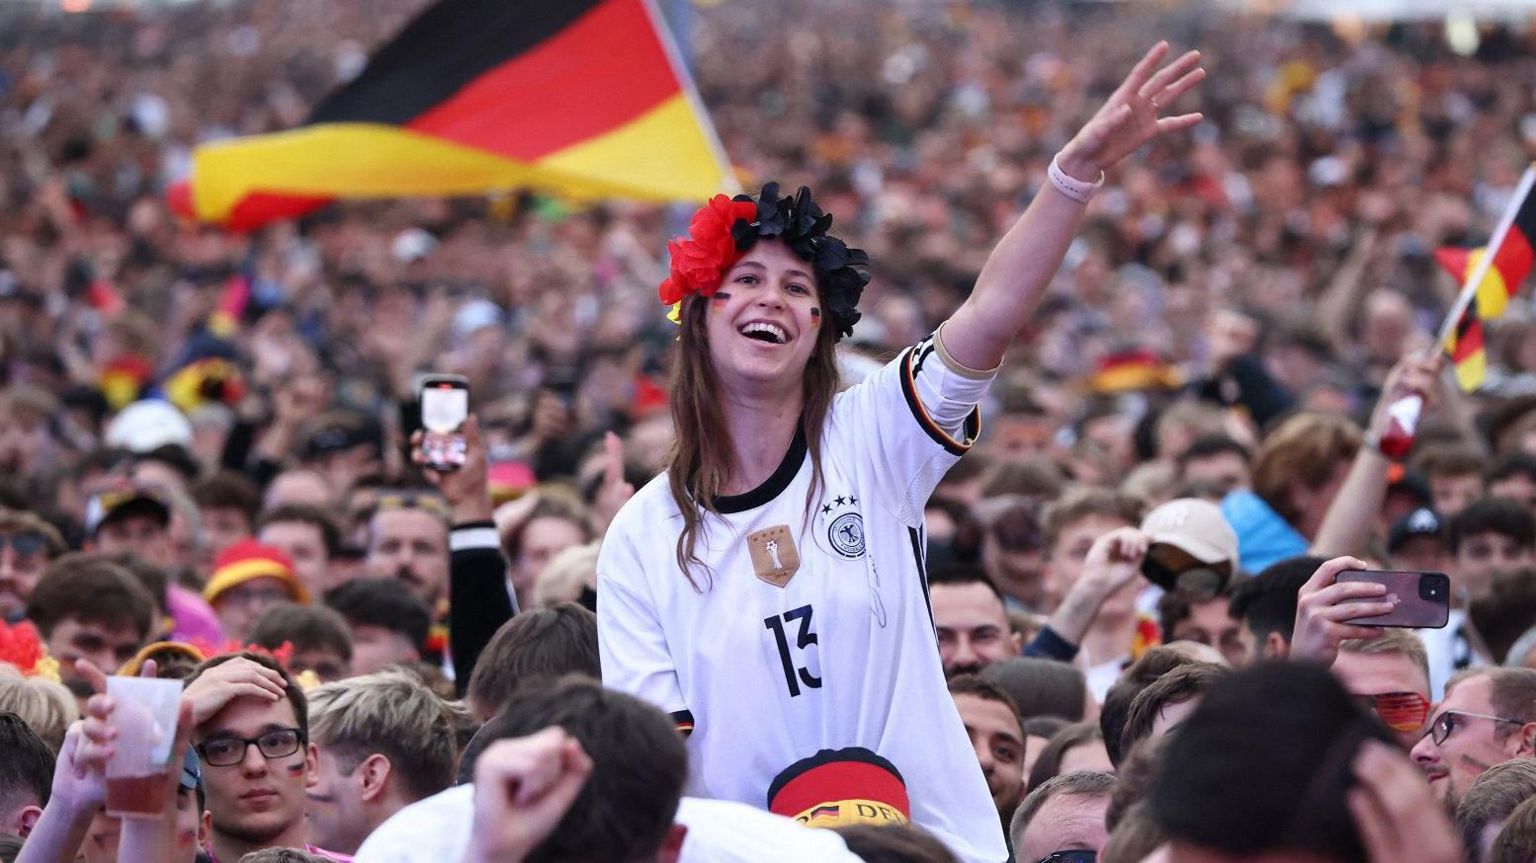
[1131,117]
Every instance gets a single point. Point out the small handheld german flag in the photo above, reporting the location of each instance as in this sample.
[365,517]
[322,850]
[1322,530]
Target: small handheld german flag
[585,97]
[1488,283]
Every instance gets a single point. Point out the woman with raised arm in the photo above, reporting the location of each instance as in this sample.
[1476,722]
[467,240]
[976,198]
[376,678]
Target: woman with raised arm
[768,589]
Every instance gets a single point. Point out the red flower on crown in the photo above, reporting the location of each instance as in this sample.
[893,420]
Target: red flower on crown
[700,260]
[20,646]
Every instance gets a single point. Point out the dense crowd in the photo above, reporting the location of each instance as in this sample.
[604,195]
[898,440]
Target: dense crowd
[1135,575]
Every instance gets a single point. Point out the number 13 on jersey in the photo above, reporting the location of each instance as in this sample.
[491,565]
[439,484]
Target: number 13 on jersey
[795,674]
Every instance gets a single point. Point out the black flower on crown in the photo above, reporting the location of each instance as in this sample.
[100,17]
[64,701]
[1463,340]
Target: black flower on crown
[700,260]
[801,225]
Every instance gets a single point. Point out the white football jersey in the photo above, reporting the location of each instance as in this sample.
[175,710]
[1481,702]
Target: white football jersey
[812,631]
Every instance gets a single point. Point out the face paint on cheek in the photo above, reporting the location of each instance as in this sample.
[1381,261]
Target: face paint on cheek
[815,317]
[296,769]
[718,300]
[1476,765]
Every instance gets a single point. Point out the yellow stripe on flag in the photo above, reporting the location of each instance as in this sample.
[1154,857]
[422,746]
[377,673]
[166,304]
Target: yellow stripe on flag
[662,155]
[1472,371]
[364,160]
[1492,292]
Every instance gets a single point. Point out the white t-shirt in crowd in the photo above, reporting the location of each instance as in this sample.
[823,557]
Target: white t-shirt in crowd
[1449,651]
[811,630]
[436,830]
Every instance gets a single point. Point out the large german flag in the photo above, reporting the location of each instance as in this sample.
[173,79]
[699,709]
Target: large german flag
[582,96]
[1489,281]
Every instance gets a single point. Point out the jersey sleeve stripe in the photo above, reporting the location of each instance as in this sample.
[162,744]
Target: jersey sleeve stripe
[972,425]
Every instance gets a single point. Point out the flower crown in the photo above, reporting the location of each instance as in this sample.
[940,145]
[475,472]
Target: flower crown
[725,228]
[20,646]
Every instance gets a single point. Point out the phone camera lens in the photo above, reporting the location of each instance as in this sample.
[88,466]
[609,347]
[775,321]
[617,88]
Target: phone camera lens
[1429,589]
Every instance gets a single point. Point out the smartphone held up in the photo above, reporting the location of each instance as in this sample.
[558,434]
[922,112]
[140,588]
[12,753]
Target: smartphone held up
[1424,598]
[444,403]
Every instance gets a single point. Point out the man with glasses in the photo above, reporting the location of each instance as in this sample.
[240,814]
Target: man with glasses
[27,544]
[1062,821]
[1488,717]
[1389,674]
[252,735]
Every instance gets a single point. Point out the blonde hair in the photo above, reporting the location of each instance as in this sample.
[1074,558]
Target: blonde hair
[1082,501]
[393,714]
[1391,641]
[1306,448]
[44,705]
[1154,482]
[565,575]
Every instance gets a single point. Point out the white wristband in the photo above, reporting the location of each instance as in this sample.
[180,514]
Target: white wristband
[1077,190]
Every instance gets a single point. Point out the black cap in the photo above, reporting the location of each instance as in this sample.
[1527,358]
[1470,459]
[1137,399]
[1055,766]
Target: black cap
[1420,522]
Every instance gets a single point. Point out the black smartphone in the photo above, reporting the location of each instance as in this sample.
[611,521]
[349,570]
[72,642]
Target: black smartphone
[444,408]
[1424,598]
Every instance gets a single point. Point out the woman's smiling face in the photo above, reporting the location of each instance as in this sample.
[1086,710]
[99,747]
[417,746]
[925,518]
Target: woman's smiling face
[763,323]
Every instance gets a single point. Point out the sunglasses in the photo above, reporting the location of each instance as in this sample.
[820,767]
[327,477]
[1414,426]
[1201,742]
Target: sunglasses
[1198,583]
[24,544]
[1399,711]
[1075,855]
[410,500]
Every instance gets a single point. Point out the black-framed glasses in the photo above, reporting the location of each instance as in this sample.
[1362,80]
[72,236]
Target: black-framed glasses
[1073,855]
[229,751]
[1451,720]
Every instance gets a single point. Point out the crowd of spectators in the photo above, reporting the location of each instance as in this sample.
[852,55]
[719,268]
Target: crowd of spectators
[206,463]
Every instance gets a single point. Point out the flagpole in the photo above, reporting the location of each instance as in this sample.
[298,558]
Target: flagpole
[1469,287]
[680,65]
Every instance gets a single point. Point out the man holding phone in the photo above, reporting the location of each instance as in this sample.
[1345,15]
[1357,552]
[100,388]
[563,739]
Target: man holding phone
[1385,668]
[1332,607]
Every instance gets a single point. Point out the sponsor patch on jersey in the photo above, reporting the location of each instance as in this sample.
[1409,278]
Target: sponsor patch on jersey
[774,556]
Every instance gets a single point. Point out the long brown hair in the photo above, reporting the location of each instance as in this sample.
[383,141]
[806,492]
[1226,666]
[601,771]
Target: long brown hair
[702,451]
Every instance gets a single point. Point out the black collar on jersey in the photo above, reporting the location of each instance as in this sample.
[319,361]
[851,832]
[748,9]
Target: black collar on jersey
[773,486]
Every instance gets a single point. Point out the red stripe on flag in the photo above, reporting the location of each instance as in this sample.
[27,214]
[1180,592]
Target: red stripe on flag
[599,73]
[259,208]
[1454,260]
[1469,337]
[1514,259]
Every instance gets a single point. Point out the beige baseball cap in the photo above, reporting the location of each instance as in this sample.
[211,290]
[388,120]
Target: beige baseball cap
[1196,527]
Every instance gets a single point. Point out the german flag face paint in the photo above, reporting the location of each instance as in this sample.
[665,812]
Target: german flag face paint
[718,300]
[815,318]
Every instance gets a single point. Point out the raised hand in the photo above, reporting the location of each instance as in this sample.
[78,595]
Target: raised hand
[614,492]
[1131,117]
[1324,603]
[223,683]
[1115,558]
[523,788]
[467,489]
[1114,561]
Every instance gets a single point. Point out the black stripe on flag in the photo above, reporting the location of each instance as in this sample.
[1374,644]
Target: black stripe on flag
[445,48]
